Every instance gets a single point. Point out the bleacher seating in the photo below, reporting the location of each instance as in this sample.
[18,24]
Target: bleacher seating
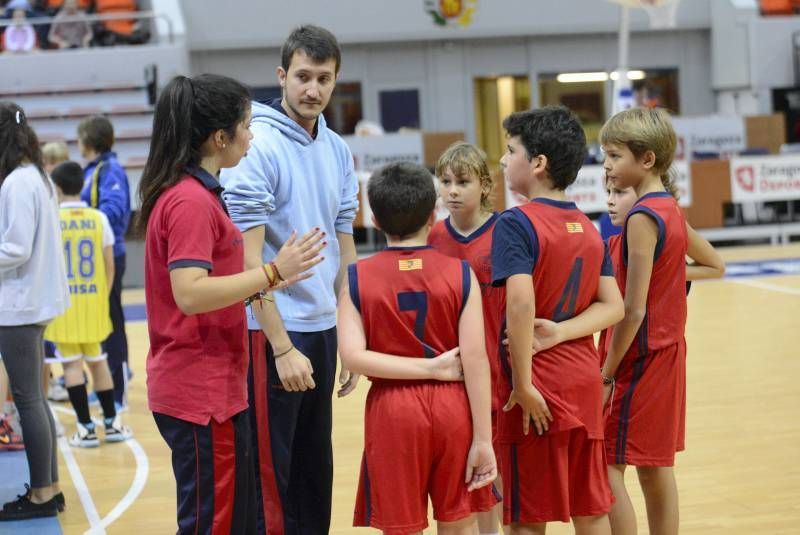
[83,95]
[56,112]
[123,117]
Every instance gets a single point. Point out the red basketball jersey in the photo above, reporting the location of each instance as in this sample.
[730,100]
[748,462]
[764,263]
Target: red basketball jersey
[410,300]
[665,319]
[476,249]
[568,259]
[614,248]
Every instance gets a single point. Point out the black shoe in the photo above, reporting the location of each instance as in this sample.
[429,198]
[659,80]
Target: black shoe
[23,508]
[61,504]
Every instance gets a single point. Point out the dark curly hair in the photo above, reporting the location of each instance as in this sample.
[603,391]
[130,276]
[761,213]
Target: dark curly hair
[555,132]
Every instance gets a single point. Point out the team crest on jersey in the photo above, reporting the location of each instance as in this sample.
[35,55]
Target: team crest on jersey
[410,264]
[573,228]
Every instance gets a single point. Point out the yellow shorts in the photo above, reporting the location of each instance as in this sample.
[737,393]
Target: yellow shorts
[90,352]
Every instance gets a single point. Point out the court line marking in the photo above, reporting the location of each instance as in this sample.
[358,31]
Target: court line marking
[79,483]
[766,286]
[137,485]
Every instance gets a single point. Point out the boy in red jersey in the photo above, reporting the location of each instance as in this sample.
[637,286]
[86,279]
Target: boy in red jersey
[465,186]
[554,266]
[646,353]
[426,432]
[706,261]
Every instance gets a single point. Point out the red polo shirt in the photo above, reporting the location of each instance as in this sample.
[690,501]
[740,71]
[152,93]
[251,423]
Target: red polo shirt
[197,365]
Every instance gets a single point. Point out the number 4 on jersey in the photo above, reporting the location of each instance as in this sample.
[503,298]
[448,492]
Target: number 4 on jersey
[565,309]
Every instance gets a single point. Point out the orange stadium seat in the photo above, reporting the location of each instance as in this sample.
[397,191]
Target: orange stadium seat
[777,7]
[123,27]
[56,4]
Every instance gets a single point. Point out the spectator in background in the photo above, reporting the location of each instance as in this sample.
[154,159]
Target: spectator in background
[365,128]
[70,33]
[21,36]
[33,291]
[54,153]
[105,187]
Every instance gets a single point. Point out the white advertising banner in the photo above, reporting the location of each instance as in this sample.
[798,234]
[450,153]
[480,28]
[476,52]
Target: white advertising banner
[372,152]
[765,178]
[714,133]
[683,179]
[589,189]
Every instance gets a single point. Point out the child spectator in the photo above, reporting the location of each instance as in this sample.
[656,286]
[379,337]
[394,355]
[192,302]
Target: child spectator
[105,187]
[33,291]
[21,36]
[88,252]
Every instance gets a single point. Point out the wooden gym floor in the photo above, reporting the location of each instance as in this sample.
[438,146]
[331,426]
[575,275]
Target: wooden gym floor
[739,474]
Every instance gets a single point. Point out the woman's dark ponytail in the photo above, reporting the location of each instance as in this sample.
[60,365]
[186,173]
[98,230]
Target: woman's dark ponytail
[187,113]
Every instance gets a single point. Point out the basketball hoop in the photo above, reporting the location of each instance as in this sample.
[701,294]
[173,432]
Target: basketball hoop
[662,13]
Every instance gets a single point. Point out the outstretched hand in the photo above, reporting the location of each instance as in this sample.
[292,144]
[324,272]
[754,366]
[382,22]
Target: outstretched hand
[296,257]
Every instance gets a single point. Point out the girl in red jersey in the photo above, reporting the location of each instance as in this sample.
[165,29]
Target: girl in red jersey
[195,285]
[646,355]
[465,187]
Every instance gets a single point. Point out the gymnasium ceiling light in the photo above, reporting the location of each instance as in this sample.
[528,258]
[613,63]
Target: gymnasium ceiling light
[577,77]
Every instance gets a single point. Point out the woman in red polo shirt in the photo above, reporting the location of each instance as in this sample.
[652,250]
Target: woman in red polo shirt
[195,285]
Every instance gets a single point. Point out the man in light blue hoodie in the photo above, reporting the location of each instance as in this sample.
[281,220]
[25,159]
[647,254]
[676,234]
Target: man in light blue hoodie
[297,175]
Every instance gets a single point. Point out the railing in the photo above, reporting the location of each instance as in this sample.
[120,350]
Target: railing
[133,15]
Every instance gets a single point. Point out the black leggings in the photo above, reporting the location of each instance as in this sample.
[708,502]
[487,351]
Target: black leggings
[22,349]
[116,345]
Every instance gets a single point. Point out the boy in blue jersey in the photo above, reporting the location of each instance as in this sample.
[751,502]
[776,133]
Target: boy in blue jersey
[105,187]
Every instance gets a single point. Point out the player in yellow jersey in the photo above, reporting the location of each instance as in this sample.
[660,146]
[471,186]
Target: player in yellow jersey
[88,252]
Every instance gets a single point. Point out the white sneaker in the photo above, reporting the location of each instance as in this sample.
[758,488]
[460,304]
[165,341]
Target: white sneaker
[56,391]
[116,432]
[85,437]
